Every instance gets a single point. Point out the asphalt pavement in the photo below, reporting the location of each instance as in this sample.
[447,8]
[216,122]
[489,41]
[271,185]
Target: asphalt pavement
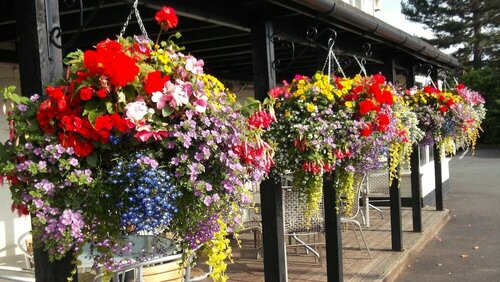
[468,247]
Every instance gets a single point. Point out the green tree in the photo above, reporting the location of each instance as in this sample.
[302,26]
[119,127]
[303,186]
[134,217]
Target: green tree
[487,82]
[471,25]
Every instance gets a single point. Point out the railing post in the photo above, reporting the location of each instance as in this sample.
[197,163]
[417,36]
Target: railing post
[416,192]
[271,195]
[40,63]
[389,70]
[396,220]
[333,237]
[438,179]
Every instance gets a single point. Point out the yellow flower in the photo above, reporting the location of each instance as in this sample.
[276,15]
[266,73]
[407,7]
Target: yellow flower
[349,104]
[310,107]
[277,105]
[287,114]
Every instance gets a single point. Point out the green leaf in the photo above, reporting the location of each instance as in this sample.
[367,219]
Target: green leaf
[8,94]
[93,115]
[89,107]
[110,107]
[167,111]
[4,155]
[92,160]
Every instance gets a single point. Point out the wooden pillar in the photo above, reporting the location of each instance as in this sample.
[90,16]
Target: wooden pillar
[39,61]
[416,192]
[394,192]
[438,179]
[333,237]
[39,64]
[271,195]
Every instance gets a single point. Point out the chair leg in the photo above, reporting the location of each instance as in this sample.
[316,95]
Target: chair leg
[312,250]
[377,209]
[362,236]
[356,236]
[363,216]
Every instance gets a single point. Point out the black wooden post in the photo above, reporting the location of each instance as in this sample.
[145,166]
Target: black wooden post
[416,192]
[394,192]
[333,237]
[396,220]
[271,195]
[438,179]
[39,64]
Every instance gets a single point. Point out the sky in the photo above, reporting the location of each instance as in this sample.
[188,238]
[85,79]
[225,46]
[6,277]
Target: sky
[390,12]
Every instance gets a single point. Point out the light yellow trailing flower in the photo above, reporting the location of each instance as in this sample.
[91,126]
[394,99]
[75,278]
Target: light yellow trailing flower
[218,251]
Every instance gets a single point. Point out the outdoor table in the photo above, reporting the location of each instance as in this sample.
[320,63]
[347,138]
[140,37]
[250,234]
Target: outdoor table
[145,248]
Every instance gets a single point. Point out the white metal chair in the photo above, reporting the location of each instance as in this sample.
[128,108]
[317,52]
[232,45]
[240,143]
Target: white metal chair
[350,218]
[296,226]
[377,185]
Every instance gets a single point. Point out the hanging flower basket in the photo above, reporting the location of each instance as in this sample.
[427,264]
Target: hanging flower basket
[135,138]
[448,117]
[332,123]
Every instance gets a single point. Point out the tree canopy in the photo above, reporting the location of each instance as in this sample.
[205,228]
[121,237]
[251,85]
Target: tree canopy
[471,25]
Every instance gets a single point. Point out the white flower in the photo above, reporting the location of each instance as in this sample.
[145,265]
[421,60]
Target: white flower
[194,66]
[136,111]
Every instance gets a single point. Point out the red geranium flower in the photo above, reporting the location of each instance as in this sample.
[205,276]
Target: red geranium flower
[379,79]
[155,82]
[357,89]
[366,131]
[120,123]
[109,59]
[103,125]
[166,18]
[382,122]
[101,93]
[443,109]
[55,93]
[365,106]
[86,93]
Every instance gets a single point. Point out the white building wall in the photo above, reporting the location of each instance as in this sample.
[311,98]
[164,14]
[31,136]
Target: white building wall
[367,6]
[427,174]
[11,225]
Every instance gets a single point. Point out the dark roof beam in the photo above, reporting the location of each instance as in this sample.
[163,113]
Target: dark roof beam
[205,11]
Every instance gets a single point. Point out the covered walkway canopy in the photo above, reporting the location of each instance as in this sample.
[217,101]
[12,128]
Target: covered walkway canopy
[255,41]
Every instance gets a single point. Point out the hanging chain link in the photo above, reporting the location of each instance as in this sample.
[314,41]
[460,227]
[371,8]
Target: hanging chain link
[331,55]
[139,20]
[361,65]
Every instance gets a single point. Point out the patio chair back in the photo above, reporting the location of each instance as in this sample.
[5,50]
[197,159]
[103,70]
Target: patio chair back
[294,210]
[359,181]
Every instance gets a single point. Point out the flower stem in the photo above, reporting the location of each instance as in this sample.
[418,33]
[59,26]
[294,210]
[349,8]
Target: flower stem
[158,37]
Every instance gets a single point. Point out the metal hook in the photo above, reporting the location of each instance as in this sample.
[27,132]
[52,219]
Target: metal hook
[368,49]
[56,31]
[332,38]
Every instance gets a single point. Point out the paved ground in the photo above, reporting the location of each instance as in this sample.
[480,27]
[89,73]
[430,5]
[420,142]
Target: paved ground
[468,248]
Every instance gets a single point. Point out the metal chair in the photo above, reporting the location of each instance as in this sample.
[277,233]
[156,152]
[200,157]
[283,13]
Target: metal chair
[296,226]
[377,185]
[350,217]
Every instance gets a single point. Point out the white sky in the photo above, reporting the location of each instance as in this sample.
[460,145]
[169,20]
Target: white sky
[390,12]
